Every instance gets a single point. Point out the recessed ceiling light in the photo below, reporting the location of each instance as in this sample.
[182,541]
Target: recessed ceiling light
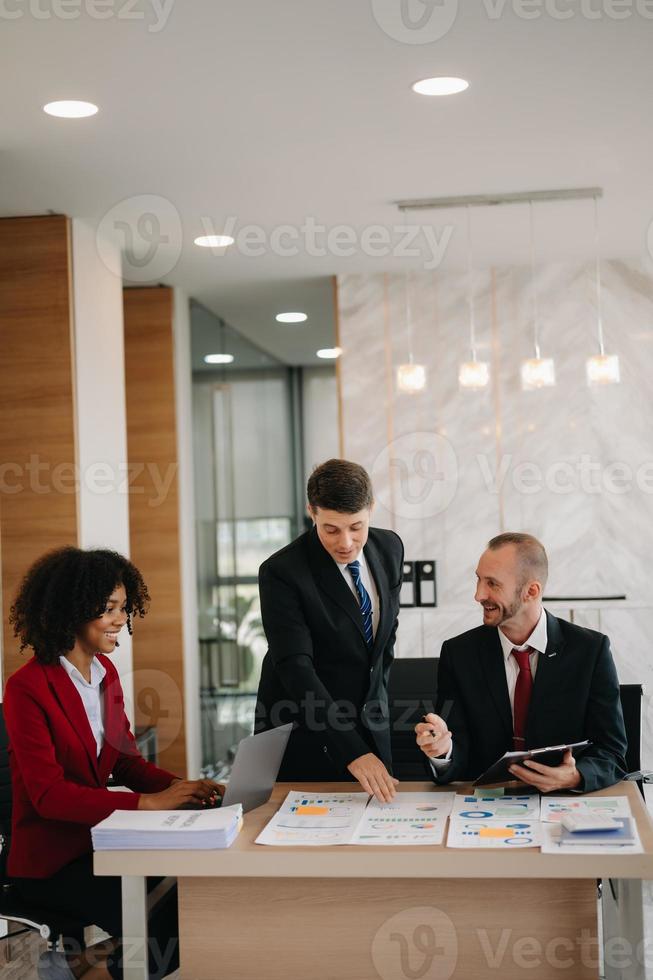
[440,86]
[214,241]
[70,109]
[219,358]
[329,353]
[291,317]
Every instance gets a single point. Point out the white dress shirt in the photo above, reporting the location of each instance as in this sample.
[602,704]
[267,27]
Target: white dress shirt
[91,696]
[368,583]
[537,641]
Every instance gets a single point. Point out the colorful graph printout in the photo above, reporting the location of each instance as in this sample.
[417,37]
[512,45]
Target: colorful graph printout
[525,806]
[508,835]
[313,820]
[555,807]
[411,818]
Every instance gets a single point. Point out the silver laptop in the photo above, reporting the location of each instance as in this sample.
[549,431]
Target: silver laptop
[256,768]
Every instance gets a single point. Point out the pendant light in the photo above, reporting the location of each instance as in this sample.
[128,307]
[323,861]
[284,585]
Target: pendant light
[602,368]
[472,374]
[537,371]
[411,377]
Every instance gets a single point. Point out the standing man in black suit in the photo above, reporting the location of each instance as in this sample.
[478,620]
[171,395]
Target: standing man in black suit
[330,602]
[524,679]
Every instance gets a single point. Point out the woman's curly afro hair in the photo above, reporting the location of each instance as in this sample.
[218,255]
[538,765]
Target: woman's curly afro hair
[64,590]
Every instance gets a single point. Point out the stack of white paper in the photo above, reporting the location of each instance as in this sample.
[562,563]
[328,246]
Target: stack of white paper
[165,830]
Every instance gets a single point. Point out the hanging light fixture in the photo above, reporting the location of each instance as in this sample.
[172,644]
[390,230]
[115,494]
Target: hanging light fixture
[474,373]
[536,372]
[602,368]
[411,377]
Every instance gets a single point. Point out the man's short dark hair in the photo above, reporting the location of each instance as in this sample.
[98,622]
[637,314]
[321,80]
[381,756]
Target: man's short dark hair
[340,485]
[533,561]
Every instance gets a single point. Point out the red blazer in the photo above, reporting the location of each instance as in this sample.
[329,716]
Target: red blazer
[58,781]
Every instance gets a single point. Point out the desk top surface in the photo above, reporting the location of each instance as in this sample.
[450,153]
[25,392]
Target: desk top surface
[245,859]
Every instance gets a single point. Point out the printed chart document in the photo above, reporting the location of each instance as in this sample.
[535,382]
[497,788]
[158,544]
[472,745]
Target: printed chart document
[314,819]
[411,818]
[506,822]
[505,834]
[525,805]
[556,840]
[306,819]
[176,830]
[555,807]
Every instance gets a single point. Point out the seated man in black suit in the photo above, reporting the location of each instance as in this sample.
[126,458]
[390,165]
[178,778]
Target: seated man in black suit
[524,679]
[329,602]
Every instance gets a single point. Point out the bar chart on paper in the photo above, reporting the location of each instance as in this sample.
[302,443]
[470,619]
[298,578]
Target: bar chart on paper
[313,819]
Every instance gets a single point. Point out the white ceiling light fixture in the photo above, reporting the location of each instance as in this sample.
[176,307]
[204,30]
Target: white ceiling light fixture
[440,86]
[291,317]
[71,109]
[411,377]
[536,372]
[472,374]
[602,368]
[214,241]
[329,353]
[219,359]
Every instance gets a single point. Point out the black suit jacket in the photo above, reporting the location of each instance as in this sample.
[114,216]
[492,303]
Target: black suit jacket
[575,697]
[319,671]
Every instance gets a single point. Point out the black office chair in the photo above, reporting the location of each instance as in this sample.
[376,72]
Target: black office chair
[631,705]
[412,693]
[13,909]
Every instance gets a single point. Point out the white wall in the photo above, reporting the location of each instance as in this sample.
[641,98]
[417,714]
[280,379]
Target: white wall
[571,464]
[320,404]
[188,576]
[100,414]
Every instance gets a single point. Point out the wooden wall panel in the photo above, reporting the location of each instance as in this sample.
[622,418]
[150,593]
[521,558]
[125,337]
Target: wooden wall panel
[154,517]
[38,501]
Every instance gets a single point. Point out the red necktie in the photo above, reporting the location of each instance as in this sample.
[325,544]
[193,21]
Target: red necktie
[523,691]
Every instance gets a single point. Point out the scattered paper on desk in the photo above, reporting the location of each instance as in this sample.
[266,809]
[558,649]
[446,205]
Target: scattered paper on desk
[555,807]
[314,819]
[503,834]
[525,806]
[411,818]
[552,844]
[177,830]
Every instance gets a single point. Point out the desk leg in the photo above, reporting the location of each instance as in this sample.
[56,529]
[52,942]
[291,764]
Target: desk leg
[622,906]
[134,924]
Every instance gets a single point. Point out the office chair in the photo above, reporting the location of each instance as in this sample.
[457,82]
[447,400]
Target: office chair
[411,695]
[49,925]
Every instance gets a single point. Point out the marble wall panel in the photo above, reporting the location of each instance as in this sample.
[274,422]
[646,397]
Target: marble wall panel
[452,467]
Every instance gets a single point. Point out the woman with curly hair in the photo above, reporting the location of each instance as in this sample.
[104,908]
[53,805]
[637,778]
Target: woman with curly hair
[68,733]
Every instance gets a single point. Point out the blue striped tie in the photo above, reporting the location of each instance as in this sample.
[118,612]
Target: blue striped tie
[364,600]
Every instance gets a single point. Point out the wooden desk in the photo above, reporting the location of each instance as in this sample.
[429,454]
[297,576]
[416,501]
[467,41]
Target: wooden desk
[395,913]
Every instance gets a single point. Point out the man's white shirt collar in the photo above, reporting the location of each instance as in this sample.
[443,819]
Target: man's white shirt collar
[360,558]
[537,640]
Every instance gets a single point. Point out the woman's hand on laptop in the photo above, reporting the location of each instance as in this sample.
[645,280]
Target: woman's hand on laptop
[180,793]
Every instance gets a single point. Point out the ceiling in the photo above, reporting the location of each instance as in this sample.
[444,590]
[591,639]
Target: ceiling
[300,114]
